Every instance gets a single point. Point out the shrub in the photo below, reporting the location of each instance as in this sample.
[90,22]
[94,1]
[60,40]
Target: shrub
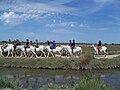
[86,58]
[90,83]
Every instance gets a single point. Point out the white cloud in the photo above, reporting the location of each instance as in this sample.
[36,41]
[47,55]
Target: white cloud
[15,18]
[11,17]
[19,11]
[23,10]
[62,24]
[63,31]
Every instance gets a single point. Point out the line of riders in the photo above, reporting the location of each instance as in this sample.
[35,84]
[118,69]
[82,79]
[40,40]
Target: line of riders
[28,43]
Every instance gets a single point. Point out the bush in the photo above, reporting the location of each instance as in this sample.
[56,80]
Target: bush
[90,83]
[4,83]
[86,58]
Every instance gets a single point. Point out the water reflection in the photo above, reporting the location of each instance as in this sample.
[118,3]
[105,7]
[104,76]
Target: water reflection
[38,78]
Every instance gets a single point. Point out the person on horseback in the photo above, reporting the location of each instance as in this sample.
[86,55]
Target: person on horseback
[99,46]
[73,45]
[36,41]
[48,42]
[9,41]
[53,45]
[31,43]
[27,45]
[17,42]
[70,43]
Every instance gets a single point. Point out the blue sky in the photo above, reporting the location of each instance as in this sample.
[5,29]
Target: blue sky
[86,21]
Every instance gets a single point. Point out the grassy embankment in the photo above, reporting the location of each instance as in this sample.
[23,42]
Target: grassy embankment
[85,61]
[86,83]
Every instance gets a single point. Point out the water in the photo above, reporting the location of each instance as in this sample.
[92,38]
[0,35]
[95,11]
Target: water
[37,78]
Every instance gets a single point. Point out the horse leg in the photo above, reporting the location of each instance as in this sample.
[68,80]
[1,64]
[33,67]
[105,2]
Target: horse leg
[25,54]
[21,54]
[12,54]
[105,54]
[48,54]
[15,53]
[32,55]
[60,53]
[35,54]
[8,53]
[44,53]
[66,54]
[41,54]
[52,54]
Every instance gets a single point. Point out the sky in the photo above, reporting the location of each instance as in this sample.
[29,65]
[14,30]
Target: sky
[85,21]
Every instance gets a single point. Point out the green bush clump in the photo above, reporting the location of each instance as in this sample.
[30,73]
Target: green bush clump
[4,83]
[86,58]
[90,83]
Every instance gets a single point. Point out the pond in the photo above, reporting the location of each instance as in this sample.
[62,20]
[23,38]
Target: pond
[37,78]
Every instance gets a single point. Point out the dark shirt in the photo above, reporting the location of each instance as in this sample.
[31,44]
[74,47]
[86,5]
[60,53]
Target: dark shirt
[53,46]
[99,43]
[27,43]
[18,43]
[73,44]
[48,42]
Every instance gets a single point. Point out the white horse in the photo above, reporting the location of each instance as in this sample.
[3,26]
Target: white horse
[1,50]
[51,51]
[31,49]
[102,49]
[76,50]
[67,49]
[9,49]
[41,48]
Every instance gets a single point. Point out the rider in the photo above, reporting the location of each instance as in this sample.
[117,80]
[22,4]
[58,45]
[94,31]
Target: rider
[48,42]
[73,45]
[9,41]
[36,41]
[31,43]
[99,46]
[53,45]
[27,45]
[17,42]
[70,43]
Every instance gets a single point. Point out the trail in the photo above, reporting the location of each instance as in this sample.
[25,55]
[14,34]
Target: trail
[108,56]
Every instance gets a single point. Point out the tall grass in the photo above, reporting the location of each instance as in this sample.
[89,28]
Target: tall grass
[90,83]
[86,83]
[5,83]
[86,58]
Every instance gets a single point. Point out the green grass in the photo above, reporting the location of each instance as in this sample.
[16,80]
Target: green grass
[90,83]
[5,83]
[60,63]
[86,83]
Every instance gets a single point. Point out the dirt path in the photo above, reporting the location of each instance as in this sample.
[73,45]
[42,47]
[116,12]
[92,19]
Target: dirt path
[108,56]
